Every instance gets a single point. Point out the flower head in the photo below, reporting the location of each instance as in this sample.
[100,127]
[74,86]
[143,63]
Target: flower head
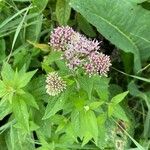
[79,51]
[55,84]
[99,63]
[60,37]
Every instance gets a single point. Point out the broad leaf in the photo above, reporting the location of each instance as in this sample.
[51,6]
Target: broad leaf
[88,126]
[101,87]
[5,108]
[29,100]
[86,83]
[24,78]
[119,113]
[95,105]
[124,23]
[2,88]
[113,106]
[63,11]
[55,105]
[118,98]
[7,73]
[21,112]
[38,90]
[16,140]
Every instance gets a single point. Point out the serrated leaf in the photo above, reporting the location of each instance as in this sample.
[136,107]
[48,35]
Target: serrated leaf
[48,60]
[101,130]
[5,108]
[87,137]
[54,106]
[45,128]
[101,87]
[22,57]
[7,73]
[113,105]
[33,126]
[86,83]
[20,111]
[123,25]
[24,78]
[63,11]
[30,100]
[118,98]
[17,140]
[120,113]
[75,122]
[2,88]
[95,105]
[38,90]
[88,126]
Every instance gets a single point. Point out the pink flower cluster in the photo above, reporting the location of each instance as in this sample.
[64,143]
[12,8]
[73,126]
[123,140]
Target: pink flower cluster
[80,51]
[99,63]
[60,37]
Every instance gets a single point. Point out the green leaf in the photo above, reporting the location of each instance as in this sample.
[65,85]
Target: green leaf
[123,25]
[30,100]
[38,90]
[63,11]
[34,30]
[7,73]
[101,87]
[2,142]
[75,122]
[85,26]
[113,105]
[7,126]
[39,5]
[54,105]
[21,112]
[118,98]
[119,113]
[133,76]
[2,50]
[17,140]
[22,0]
[48,60]
[133,89]
[33,126]
[22,57]
[5,108]
[2,89]
[86,83]
[18,29]
[101,130]
[24,78]
[6,21]
[88,126]
[95,105]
